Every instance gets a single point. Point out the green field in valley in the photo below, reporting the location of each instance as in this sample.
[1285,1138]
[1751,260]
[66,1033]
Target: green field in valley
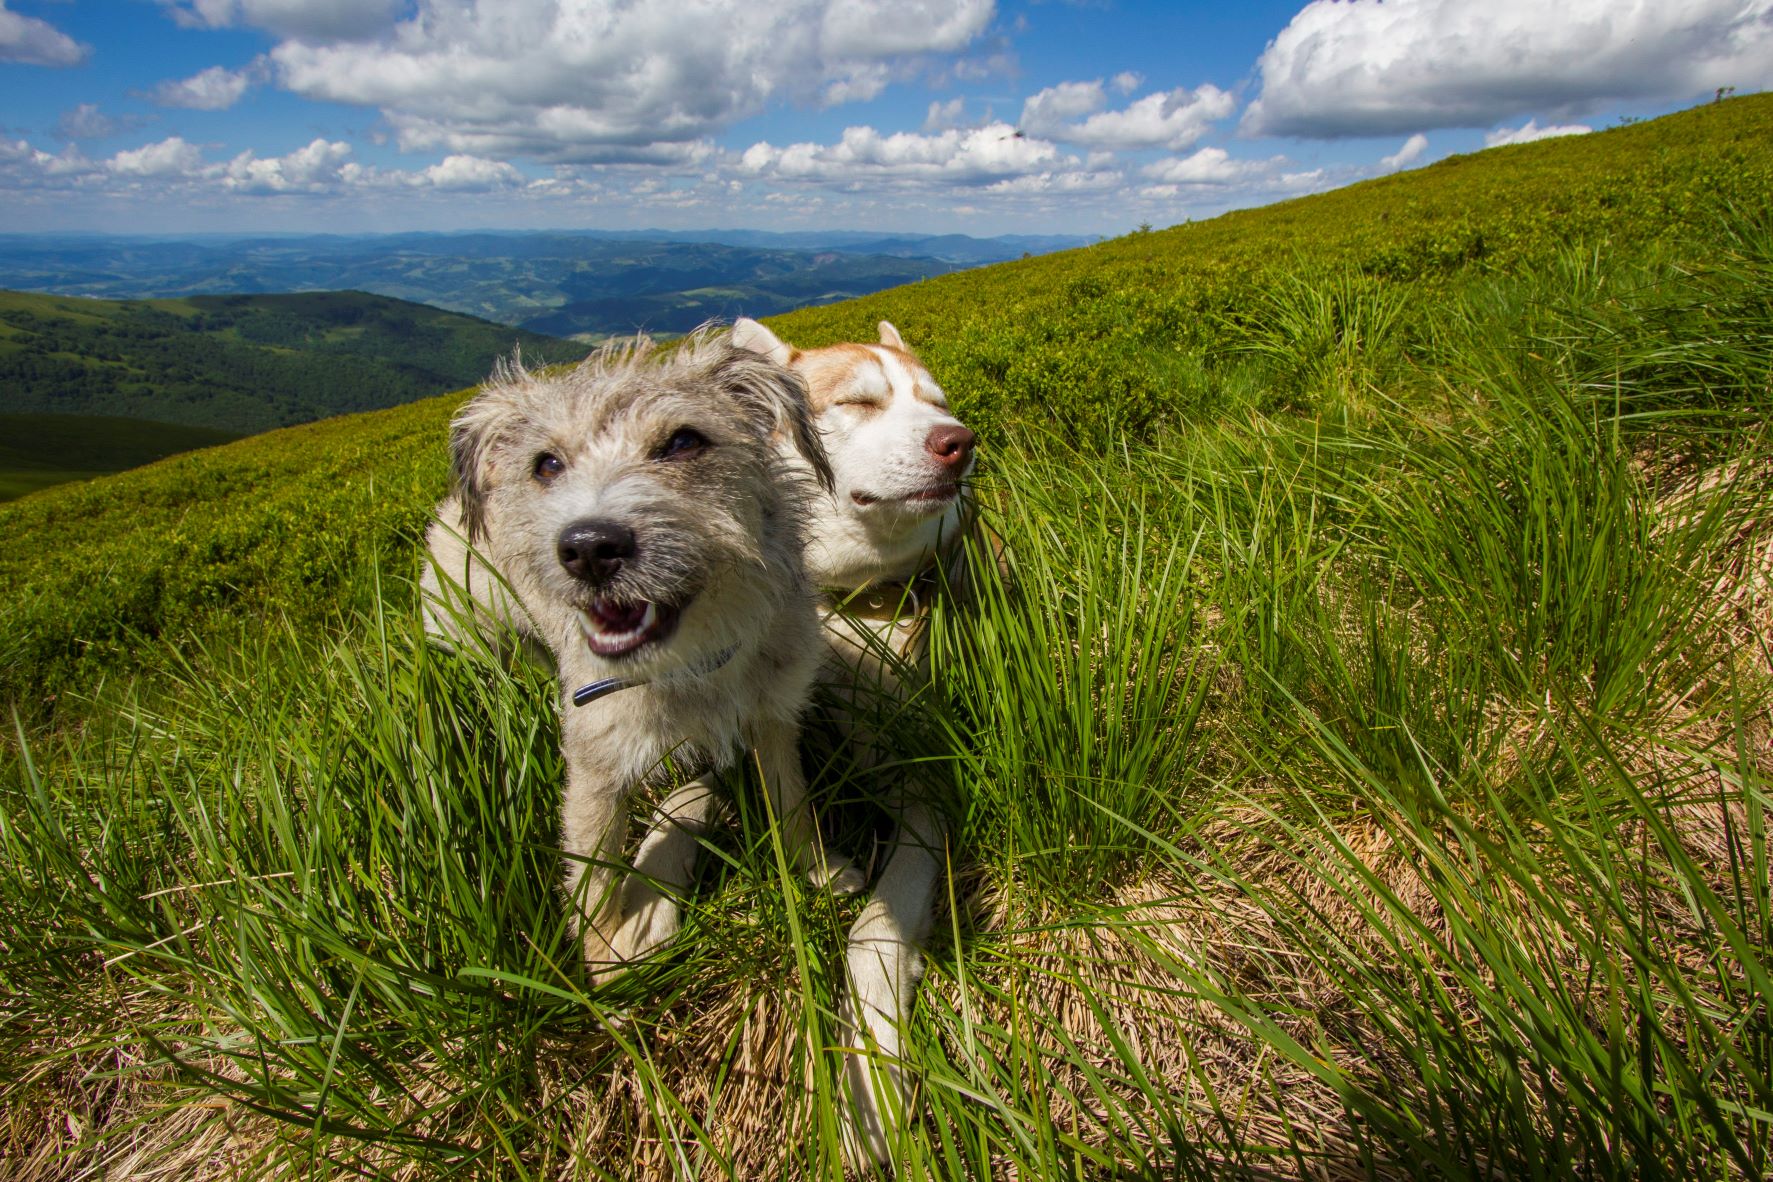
[1362,771]
[241,364]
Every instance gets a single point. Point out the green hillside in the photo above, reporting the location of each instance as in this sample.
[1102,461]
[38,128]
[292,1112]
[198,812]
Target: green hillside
[241,364]
[1360,772]
[1129,331]
[37,451]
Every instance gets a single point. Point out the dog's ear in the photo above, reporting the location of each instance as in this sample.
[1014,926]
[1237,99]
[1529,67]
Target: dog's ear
[778,401]
[748,334]
[470,440]
[889,336]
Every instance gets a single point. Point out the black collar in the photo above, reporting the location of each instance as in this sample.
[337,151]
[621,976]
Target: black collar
[587,694]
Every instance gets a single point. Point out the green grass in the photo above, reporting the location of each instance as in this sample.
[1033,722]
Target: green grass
[1360,772]
[45,450]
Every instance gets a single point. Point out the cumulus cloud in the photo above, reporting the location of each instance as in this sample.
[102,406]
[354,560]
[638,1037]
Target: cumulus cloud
[171,157]
[1073,113]
[308,20]
[1060,183]
[470,174]
[1408,154]
[1358,67]
[973,156]
[34,42]
[893,28]
[25,167]
[1530,131]
[605,80]
[1210,166]
[322,166]
[214,89]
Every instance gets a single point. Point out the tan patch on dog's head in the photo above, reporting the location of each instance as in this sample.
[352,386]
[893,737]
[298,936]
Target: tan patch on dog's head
[856,375]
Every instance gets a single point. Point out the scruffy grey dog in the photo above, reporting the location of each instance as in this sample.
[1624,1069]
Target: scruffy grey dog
[648,531]
[889,534]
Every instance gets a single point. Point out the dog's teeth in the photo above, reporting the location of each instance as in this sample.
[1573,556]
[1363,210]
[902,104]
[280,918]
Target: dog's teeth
[651,617]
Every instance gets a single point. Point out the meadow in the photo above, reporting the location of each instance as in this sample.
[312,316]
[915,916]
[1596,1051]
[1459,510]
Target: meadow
[1360,772]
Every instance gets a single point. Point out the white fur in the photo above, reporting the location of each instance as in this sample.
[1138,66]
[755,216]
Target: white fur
[879,452]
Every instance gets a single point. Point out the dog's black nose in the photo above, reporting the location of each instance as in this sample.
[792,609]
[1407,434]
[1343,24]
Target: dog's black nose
[595,550]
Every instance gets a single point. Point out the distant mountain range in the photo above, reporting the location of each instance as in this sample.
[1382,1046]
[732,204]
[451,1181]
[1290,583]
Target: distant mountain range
[590,284]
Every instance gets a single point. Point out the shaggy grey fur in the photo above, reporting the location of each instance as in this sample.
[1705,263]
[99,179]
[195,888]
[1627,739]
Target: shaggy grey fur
[679,459]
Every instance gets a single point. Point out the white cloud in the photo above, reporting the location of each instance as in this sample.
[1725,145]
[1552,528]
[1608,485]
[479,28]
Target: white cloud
[1072,112]
[1408,154]
[1062,183]
[322,166]
[607,80]
[214,89]
[857,83]
[1530,131]
[893,28]
[971,156]
[308,20]
[25,167]
[1210,166]
[171,157]
[34,42]
[1360,68]
[470,174]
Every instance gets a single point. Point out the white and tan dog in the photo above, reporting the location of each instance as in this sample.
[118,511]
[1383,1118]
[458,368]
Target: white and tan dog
[888,538]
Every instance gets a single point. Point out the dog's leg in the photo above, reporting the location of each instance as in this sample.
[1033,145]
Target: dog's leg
[663,869]
[591,832]
[778,758]
[885,960]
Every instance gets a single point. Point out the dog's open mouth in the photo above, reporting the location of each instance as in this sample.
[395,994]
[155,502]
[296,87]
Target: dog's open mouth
[932,497]
[615,628]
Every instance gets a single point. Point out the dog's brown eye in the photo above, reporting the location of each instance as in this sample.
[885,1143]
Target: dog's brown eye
[684,442]
[548,466]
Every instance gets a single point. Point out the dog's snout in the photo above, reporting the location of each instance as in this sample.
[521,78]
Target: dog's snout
[951,444]
[595,550]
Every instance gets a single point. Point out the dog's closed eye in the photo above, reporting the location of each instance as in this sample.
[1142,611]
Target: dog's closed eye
[684,443]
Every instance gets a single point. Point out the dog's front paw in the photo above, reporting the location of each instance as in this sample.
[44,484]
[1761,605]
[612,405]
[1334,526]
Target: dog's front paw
[875,1090]
[840,876]
[646,928]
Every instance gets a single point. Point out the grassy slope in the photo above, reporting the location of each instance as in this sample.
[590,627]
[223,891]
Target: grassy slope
[1107,335]
[240,364]
[43,450]
[261,526]
[1362,777]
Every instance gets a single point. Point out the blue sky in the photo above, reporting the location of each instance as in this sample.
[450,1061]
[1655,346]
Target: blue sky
[974,116]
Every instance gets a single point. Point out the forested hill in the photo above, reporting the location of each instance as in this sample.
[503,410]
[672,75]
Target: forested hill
[242,364]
